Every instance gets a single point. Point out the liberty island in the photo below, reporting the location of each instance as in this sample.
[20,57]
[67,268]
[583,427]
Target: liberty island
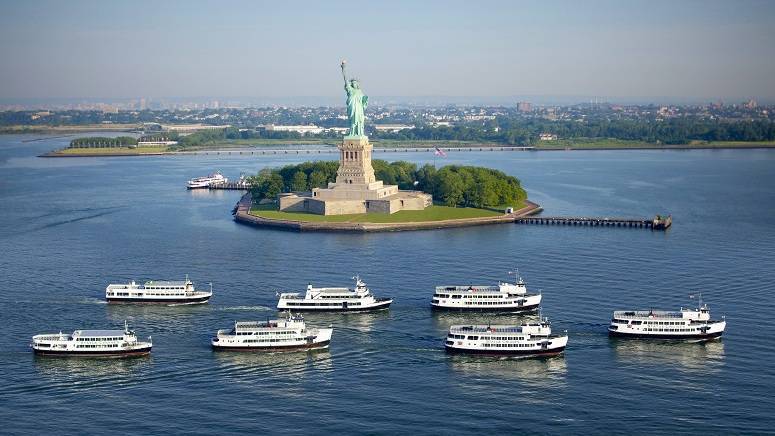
[356,189]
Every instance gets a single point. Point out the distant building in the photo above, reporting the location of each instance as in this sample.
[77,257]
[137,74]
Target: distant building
[479,117]
[392,127]
[156,143]
[524,106]
[303,130]
[40,114]
[442,124]
[547,137]
[751,104]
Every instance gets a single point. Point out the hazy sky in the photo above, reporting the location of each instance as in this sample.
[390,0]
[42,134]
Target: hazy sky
[619,49]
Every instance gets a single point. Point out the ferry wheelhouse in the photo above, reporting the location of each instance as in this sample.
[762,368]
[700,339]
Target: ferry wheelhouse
[686,323]
[169,292]
[527,339]
[359,299]
[113,343]
[215,178]
[503,297]
[286,334]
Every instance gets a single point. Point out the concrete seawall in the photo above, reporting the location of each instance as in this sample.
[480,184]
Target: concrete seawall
[242,215]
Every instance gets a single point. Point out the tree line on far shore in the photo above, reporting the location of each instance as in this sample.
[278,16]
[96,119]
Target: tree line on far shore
[452,185]
[505,130]
[101,142]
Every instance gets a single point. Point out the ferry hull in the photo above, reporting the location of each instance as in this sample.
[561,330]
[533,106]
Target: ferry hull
[312,346]
[379,306]
[124,300]
[501,309]
[708,336]
[72,353]
[536,353]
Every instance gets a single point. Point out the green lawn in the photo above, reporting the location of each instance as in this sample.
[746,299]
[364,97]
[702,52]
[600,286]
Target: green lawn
[433,213]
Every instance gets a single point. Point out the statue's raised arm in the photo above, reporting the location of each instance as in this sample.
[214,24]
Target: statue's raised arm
[344,76]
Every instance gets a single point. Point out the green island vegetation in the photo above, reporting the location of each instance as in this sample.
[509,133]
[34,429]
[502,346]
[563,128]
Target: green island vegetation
[232,137]
[107,151]
[458,191]
[103,142]
[594,133]
[504,130]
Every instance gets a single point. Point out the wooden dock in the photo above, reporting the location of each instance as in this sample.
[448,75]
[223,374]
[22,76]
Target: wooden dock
[657,223]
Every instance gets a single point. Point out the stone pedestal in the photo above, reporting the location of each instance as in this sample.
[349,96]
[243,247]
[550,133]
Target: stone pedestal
[356,190]
[354,162]
[355,178]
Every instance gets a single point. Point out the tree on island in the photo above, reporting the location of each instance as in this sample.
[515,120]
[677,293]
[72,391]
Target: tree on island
[268,183]
[299,181]
[453,185]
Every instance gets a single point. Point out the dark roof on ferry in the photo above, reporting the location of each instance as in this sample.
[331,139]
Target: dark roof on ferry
[164,283]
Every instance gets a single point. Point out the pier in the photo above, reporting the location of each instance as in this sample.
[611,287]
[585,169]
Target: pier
[240,185]
[659,222]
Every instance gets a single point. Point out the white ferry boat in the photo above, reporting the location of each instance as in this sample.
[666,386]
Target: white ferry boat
[528,339]
[116,343]
[169,292]
[215,178]
[286,334]
[503,297]
[686,323]
[359,299]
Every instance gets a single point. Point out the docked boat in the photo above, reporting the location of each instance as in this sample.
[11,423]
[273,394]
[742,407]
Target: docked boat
[155,291]
[686,323]
[286,334]
[503,297]
[358,299]
[110,343]
[527,339]
[215,178]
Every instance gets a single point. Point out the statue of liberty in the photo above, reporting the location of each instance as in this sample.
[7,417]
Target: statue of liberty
[356,104]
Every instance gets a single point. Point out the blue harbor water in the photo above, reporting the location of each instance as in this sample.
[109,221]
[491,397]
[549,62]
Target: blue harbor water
[71,226]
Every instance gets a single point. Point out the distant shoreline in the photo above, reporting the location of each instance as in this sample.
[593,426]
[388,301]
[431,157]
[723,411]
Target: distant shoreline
[386,150]
[273,146]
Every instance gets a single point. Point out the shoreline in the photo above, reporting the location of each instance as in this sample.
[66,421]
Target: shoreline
[242,215]
[402,149]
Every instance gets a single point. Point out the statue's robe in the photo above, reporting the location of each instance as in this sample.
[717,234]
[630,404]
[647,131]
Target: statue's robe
[356,104]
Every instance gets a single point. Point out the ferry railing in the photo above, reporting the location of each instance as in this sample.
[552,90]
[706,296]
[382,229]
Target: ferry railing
[646,314]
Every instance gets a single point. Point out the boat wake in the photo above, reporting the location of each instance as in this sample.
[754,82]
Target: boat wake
[92,301]
[262,308]
[192,303]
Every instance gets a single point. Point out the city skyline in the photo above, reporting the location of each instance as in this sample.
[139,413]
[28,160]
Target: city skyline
[499,52]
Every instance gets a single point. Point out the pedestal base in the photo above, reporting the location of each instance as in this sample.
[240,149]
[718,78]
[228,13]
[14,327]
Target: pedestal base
[356,190]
